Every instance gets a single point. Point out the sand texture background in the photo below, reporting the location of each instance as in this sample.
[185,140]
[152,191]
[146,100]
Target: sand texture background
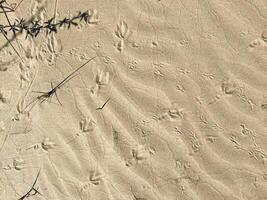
[184,85]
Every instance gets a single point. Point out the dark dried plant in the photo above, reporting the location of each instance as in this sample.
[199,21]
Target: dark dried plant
[34,27]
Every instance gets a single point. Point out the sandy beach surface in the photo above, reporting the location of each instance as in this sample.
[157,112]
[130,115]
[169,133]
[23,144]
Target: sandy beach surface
[171,106]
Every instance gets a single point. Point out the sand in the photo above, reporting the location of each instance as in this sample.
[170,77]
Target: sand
[173,106]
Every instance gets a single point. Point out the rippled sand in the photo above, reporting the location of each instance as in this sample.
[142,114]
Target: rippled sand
[174,106]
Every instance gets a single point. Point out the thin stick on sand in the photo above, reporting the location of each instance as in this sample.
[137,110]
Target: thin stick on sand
[46,95]
[32,188]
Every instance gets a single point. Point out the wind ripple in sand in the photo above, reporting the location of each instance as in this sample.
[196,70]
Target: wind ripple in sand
[186,117]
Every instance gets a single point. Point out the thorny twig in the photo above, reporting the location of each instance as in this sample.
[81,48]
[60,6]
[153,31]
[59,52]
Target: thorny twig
[27,22]
[32,189]
[3,32]
[35,27]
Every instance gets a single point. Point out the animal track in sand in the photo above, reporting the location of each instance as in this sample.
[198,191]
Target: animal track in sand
[21,112]
[2,126]
[4,65]
[132,65]
[94,16]
[255,43]
[186,171]
[246,131]
[172,114]
[46,145]
[180,87]
[95,178]
[261,41]
[87,124]
[101,81]
[229,87]
[142,152]
[17,164]
[5,96]
[122,32]
[264,35]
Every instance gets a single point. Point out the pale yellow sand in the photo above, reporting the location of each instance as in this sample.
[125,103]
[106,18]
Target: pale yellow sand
[187,112]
